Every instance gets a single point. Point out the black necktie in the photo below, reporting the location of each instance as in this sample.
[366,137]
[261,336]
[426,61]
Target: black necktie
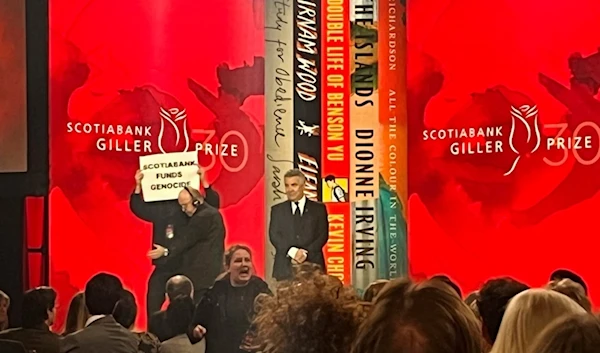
[297,220]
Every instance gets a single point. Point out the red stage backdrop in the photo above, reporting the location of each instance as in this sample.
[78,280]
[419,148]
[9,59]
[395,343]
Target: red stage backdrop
[13,87]
[114,66]
[503,149]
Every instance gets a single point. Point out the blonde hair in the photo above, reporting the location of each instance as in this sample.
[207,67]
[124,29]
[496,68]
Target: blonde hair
[526,316]
[77,314]
[574,333]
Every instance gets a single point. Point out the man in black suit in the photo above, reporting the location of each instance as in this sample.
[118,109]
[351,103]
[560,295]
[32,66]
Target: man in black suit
[200,241]
[102,334]
[37,317]
[163,215]
[176,286]
[298,229]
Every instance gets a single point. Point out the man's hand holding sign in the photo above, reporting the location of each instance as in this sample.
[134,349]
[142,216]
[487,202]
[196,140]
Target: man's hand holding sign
[166,174]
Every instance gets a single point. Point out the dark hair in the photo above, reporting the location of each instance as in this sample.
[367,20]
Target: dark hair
[493,299]
[179,285]
[472,298]
[574,333]
[77,314]
[449,282]
[125,310]
[36,304]
[180,314]
[229,253]
[567,274]
[374,289]
[330,178]
[419,317]
[102,293]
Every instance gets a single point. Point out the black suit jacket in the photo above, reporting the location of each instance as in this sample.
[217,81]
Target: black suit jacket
[161,214]
[312,236]
[40,339]
[201,246]
[158,326]
[101,336]
[9,346]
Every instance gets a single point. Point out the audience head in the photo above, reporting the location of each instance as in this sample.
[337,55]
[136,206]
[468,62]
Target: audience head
[238,262]
[180,314]
[567,274]
[374,289]
[179,285]
[294,184]
[578,333]
[528,314]
[4,305]
[38,307]
[419,318]
[308,314]
[492,301]
[306,271]
[77,315]
[102,293]
[572,290]
[125,310]
[449,282]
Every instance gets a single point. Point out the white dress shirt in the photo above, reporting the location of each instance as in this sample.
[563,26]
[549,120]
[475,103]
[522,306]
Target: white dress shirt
[301,204]
[92,319]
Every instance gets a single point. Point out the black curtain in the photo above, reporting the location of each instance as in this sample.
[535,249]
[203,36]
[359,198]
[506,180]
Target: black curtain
[14,187]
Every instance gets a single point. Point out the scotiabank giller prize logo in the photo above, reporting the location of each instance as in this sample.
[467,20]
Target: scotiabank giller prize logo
[525,138]
[523,115]
[173,136]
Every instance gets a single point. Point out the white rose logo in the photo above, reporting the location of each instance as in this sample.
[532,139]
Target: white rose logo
[525,116]
[172,126]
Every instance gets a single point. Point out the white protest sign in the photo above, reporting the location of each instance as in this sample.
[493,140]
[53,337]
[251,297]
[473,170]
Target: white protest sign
[166,174]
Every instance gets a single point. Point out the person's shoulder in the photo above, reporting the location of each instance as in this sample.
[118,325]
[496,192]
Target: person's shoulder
[221,283]
[205,211]
[10,333]
[258,282]
[158,315]
[281,205]
[208,210]
[147,340]
[71,341]
[316,204]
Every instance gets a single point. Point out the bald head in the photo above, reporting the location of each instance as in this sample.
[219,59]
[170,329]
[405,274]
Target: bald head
[179,285]
[186,199]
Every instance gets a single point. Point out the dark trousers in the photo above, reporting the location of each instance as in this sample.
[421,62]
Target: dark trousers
[156,289]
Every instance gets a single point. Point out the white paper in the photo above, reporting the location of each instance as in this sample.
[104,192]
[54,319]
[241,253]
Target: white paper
[166,174]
